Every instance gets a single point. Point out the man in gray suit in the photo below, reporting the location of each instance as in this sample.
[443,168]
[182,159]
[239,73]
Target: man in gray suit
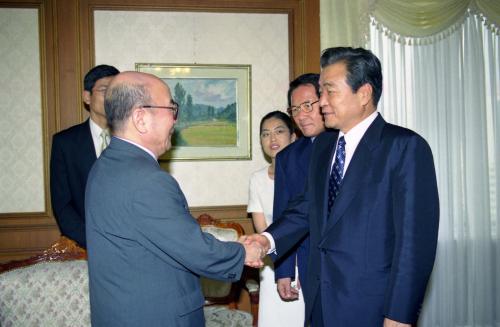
[145,251]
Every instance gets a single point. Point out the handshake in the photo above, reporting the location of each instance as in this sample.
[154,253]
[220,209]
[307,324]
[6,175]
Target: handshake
[256,248]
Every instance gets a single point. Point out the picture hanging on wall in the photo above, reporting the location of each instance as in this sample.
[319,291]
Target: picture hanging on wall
[214,110]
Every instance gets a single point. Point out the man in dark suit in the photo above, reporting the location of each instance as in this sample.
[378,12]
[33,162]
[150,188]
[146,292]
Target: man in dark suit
[146,253]
[74,151]
[371,206]
[292,164]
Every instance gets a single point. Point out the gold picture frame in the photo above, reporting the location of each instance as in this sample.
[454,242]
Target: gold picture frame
[214,120]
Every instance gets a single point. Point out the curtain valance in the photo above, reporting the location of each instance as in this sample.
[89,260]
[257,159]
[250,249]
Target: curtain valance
[347,22]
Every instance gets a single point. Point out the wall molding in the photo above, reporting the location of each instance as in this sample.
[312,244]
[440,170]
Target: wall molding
[67,52]
[22,236]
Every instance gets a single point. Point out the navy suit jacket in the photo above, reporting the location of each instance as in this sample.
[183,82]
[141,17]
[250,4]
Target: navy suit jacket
[292,164]
[372,257]
[146,252]
[73,154]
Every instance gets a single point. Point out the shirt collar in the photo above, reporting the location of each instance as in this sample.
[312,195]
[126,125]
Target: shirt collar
[139,146]
[95,129]
[353,137]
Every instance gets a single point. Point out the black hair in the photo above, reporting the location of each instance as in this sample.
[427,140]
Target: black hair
[96,74]
[278,115]
[305,79]
[362,67]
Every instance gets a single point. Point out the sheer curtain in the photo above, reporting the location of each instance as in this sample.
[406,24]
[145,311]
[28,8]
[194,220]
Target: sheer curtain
[441,62]
[447,88]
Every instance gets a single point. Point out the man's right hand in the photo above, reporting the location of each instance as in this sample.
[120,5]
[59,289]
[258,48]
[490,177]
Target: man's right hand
[286,291]
[253,253]
[259,241]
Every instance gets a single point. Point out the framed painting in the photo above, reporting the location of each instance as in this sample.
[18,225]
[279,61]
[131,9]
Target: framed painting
[214,110]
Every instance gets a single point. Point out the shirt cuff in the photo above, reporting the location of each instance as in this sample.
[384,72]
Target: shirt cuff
[270,238]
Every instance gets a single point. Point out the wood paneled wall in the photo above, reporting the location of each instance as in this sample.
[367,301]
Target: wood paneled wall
[67,53]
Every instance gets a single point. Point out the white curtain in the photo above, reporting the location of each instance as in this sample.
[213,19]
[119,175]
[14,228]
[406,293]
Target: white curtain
[447,88]
[346,22]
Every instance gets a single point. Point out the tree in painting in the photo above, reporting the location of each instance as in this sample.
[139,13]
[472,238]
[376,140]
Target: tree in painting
[208,112]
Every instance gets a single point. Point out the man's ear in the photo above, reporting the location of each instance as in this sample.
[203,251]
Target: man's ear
[139,119]
[365,94]
[294,137]
[86,97]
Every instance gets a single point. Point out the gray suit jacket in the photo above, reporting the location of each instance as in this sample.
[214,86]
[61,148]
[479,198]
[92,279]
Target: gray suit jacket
[146,252]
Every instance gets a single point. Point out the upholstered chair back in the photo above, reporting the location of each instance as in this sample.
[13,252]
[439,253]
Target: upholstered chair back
[49,289]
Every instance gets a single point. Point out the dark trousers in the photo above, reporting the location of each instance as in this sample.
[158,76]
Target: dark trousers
[317,312]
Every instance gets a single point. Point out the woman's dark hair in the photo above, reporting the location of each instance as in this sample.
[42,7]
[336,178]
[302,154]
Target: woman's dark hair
[278,115]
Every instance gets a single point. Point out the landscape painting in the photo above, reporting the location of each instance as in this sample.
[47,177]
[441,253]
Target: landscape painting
[214,115]
[208,111]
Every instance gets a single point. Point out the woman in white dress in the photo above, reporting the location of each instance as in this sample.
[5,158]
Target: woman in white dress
[276,132]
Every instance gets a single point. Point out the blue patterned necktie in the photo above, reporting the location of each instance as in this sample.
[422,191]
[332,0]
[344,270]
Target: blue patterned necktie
[337,173]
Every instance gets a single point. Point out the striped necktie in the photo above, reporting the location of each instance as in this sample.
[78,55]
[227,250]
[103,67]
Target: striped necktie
[337,173]
[104,139]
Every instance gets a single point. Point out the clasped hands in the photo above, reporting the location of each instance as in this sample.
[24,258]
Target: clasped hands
[256,248]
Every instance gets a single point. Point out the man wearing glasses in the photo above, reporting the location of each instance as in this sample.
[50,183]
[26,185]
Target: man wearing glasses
[146,252]
[74,151]
[292,164]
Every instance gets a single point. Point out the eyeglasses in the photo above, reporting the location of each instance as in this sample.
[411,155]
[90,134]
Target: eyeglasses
[174,107]
[306,106]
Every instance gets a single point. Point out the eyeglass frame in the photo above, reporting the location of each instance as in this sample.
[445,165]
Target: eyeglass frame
[295,110]
[175,108]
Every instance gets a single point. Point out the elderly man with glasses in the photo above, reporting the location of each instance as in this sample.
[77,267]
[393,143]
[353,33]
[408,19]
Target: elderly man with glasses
[146,252]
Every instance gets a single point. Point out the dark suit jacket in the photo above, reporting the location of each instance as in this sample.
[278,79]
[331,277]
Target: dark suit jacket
[145,251]
[292,164]
[373,256]
[73,154]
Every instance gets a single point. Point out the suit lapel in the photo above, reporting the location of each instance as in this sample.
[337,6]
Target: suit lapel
[86,142]
[304,154]
[84,150]
[325,149]
[356,174]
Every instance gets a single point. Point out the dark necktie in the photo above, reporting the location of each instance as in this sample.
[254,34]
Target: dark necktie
[337,173]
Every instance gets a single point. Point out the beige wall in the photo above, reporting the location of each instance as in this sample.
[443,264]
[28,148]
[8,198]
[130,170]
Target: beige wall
[47,46]
[259,40]
[21,146]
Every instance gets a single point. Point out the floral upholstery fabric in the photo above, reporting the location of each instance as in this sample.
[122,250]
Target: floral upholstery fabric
[56,294]
[222,234]
[46,294]
[220,316]
[211,287]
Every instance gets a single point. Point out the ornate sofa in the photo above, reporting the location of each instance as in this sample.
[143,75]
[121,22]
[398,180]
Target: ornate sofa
[51,289]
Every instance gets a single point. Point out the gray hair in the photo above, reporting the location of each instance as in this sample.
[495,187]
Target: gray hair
[120,100]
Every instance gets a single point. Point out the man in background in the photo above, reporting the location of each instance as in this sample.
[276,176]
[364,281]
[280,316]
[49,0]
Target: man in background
[146,252]
[74,151]
[292,164]
[371,206]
